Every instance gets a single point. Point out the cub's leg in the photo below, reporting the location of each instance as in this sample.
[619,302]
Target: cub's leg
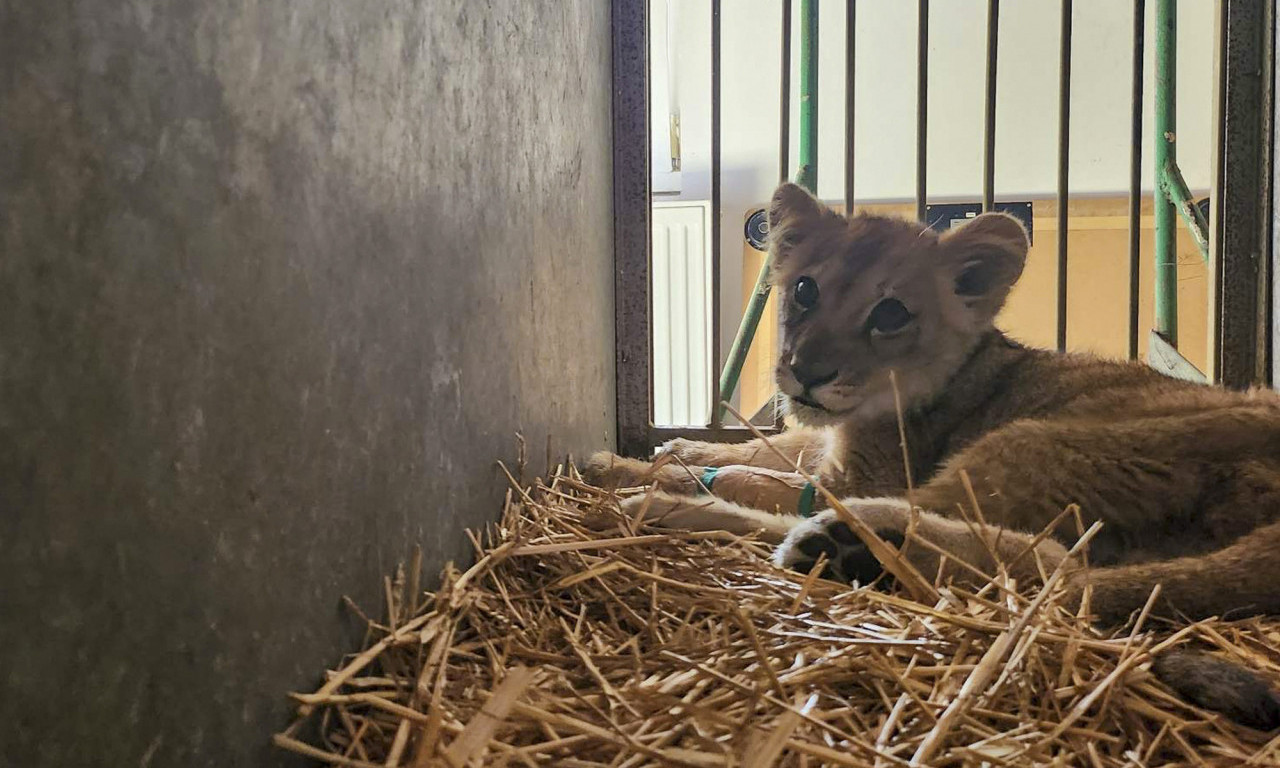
[1027,472]
[760,488]
[1241,579]
[1238,580]
[609,471]
[708,513]
[1242,576]
[939,548]
[803,445]
[806,446]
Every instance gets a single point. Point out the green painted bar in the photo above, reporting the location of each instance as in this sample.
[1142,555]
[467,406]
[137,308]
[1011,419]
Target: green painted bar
[807,177]
[1175,189]
[808,174]
[746,334]
[1166,234]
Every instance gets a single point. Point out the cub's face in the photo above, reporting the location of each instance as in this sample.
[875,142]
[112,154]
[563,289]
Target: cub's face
[866,296]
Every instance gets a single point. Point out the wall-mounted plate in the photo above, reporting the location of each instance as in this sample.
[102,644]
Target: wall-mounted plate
[944,216]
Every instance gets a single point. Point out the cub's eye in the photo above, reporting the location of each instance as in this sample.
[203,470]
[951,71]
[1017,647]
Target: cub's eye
[889,316]
[806,292]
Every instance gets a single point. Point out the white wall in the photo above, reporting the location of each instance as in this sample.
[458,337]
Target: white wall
[1027,114]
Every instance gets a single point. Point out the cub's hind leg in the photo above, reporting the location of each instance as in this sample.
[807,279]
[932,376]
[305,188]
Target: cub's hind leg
[1238,580]
[1026,473]
[1241,579]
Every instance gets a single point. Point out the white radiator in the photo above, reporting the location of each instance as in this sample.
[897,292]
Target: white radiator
[681,313]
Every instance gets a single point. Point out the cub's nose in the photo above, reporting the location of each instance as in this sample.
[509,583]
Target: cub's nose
[813,374]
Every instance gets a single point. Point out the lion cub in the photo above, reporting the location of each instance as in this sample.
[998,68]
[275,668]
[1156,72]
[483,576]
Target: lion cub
[1184,477]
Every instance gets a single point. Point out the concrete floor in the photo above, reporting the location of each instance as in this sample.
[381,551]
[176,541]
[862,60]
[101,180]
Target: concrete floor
[279,282]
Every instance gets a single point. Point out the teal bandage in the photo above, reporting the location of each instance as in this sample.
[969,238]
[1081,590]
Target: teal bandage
[708,477]
[805,506]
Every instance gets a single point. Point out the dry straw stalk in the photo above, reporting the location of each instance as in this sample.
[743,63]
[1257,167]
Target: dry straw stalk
[628,648]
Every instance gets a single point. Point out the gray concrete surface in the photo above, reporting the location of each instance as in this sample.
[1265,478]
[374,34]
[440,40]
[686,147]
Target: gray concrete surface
[279,281]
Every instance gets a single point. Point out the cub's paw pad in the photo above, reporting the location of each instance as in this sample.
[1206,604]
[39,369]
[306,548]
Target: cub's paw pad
[848,559]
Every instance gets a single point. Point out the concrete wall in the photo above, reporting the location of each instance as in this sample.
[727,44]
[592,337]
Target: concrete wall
[278,284]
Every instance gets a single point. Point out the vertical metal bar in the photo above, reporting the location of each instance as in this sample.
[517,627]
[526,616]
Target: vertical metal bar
[784,98]
[1266,196]
[632,229]
[922,107]
[1273,300]
[1166,224]
[1135,173]
[1064,154]
[715,213]
[1243,276]
[989,128]
[762,280]
[1216,191]
[808,176]
[850,71]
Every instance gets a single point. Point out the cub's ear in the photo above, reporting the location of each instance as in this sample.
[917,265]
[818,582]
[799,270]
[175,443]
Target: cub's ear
[986,257]
[792,213]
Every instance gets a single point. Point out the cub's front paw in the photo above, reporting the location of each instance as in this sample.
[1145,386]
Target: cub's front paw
[848,559]
[656,506]
[685,451]
[608,470]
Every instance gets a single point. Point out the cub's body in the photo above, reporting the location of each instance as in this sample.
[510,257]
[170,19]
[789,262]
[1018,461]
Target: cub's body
[1174,470]
[888,334]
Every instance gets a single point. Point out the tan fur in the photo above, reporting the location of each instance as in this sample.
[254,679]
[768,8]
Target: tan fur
[1185,478]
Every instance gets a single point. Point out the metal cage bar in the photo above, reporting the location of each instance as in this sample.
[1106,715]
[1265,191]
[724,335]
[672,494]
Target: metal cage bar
[784,138]
[1174,187]
[1166,243]
[1243,275]
[632,228]
[1171,195]
[989,122]
[807,175]
[784,100]
[1064,156]
[1135,174]
[850,71]
[716,414]
[922,108]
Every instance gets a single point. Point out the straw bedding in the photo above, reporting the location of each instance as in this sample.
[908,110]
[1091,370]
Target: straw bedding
[633,647]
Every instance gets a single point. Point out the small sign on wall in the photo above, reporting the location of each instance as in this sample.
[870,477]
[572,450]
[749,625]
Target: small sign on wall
[946,216]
